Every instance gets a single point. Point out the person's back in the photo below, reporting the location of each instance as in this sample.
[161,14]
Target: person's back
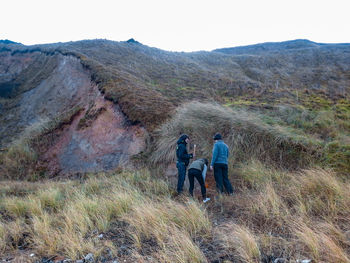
[198,170]
[220,153]
[197,164]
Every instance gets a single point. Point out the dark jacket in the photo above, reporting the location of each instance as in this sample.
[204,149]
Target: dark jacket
[181,151]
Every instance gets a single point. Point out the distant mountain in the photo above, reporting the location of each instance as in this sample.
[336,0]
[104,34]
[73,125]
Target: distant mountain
[7,42]
[277,47]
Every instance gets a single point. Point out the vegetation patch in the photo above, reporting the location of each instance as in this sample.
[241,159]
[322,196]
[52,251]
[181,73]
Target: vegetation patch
[90,115]
[244,132]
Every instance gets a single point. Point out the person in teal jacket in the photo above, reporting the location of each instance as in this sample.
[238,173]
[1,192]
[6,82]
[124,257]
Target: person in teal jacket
[219,163]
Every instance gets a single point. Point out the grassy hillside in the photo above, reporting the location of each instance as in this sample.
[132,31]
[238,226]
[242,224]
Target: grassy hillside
[284,110]
[275,75]
[299,85]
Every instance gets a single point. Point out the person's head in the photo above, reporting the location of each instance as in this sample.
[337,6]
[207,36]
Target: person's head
[206,161]
[184,138]
[217,137]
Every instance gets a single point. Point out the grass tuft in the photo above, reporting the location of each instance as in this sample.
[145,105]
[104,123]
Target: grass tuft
[238,240]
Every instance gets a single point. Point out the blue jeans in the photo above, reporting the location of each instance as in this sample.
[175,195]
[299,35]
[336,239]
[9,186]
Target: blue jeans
[221,178]
[181,168]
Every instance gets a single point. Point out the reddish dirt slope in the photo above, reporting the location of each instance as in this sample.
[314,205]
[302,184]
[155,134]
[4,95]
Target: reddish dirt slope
[98,138]
[103,144]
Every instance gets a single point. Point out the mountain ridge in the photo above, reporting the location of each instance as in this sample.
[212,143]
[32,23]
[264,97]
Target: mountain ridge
[263,46]
[277,46]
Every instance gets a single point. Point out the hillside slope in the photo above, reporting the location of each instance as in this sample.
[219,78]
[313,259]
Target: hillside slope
[147,84]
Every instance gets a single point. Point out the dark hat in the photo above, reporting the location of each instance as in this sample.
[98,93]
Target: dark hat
[182,138]
[217,136]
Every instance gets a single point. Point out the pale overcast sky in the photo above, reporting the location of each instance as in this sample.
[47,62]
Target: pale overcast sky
[177,25]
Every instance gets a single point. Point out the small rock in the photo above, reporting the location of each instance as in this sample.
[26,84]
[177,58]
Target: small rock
[89,257]
[115,261]
[100,236]
[80,261]
[280,260]
[32,255]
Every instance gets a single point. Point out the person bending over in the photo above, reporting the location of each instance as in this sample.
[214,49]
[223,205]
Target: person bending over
[198,170]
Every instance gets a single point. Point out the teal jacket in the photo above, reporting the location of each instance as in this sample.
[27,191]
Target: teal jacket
[220,153]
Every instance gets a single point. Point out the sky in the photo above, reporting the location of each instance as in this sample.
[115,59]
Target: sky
[176,25]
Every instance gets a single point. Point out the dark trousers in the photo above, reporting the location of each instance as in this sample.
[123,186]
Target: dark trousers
[181,169]
[195,173]
[221,178]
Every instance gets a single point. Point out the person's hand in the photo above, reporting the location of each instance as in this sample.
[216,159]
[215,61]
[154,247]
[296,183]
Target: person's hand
[211,168]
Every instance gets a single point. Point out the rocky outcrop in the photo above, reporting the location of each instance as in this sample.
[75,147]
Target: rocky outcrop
[105,143]
[98,137]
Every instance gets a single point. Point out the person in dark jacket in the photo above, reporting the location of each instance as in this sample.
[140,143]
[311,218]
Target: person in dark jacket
[219,162]
[183,159]
[198,170]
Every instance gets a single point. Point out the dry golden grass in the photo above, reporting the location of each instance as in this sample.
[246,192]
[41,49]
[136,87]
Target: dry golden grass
[319,244]
[173,226]
[65,217]
[293,215]
[180,248]
[323,193]
[239,240]
[268,205]
[3,237]
[274,213]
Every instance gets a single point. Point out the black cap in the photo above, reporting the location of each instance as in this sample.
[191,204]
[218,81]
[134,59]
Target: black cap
[217,136]
[182,138]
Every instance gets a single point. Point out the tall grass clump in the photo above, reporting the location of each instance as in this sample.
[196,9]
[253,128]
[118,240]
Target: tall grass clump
[321,193]
[320,245]
[172,226]
[238,240]
[3,237]
[244,132]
